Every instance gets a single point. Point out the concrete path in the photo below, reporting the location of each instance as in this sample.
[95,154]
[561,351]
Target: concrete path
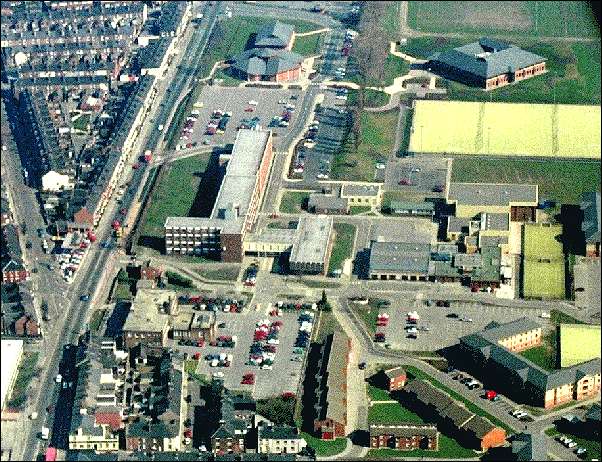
[313,32]
[392,104]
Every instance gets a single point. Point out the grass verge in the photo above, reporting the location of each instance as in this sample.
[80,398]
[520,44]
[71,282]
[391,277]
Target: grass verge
[27,370]
[309,45]
[294,201]
[325,448]
[343,246]
[222,274]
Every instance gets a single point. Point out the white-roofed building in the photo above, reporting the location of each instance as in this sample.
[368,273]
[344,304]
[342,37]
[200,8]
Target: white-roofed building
[10,359]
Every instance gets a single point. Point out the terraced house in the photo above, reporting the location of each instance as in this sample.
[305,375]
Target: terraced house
[493,352]
[405,437]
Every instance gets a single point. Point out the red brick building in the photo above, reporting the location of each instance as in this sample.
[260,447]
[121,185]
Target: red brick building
[26,326]
[331,407]
[404,436]
[13,271]
[396,378]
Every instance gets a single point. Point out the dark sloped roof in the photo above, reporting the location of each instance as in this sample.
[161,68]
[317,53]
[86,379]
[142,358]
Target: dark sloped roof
[591,216]
[487,58]
[266,61]
[395,372]
[274,34]
[403,430]
[593,413]
[529,447]
[479,426]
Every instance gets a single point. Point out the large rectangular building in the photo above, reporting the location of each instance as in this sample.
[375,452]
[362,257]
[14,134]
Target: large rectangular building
[493,352]
[222,235]
[312,245]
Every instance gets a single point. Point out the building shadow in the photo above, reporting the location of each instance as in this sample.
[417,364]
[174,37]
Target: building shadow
[361,264]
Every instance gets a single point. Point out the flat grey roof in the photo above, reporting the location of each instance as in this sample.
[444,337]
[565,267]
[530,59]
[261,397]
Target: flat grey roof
[407,230]
[400,257]
[359,190]
[491,193]
[144,314]
[274,235]
[495,221]
[237,187]
[311,241]
[326,201]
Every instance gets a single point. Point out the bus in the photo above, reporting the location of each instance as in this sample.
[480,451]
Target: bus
[50,454]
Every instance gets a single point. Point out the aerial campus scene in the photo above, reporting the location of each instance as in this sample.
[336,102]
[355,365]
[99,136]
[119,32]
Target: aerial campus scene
[302,230]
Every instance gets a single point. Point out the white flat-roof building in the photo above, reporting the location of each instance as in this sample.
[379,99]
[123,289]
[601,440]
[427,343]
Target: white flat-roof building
[312,244]
[10,359]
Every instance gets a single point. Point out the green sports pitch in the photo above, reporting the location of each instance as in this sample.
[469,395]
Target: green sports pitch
[543,262]
[506,129]
[578,343]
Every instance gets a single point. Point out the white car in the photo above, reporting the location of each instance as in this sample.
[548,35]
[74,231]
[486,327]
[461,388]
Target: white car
[570,444]
[253,103]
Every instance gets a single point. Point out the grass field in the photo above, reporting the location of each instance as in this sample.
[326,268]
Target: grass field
[308,45]
[293,201]
[82,122]
[506,129]
[359,209]
[546,355]
[391,413]
[377,141]
[228,273]
[578,343]
[325,448]
[372,98]
[377,394]
[535,18]
[562,180]
[557,317]
[175,194]
[543,273]
[342,248]
[572,77]
[394,66]
[27,371]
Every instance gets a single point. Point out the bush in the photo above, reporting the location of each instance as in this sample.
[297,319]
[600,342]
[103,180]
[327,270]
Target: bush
[279,410]
[178,280]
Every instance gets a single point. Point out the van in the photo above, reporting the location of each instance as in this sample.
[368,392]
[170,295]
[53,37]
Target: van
[545,315]
[253,103]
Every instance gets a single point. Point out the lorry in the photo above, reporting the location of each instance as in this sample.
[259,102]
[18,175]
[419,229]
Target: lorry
[45,245]
[148,155]
[160,127]
[45,433]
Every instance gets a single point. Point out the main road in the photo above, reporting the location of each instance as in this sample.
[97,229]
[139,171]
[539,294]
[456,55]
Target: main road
[98,267]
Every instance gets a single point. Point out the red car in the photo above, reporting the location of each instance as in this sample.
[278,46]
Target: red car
[197,356]
[405,182]
[490,394]
[136,166]
[249,109]
[123,211]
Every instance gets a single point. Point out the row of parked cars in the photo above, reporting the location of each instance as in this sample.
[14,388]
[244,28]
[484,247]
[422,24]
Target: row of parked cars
[70,260]
[227,305]
[265,340]
[569,443]
[306,322]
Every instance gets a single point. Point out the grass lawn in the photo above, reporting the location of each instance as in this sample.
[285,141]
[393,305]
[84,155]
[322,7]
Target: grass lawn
[377,141]
[343,245]
[96,319]
[448,449]
[122,292]
[229,273]
[558,317]
[543,262]
[325,448]
[416,373]
[359,209]
[175,194]
[27,370]
[226,79]
[369,313]
[391,413]
[592,446]
[309,45]
[328,324]
[394,66]
[573,72]
[544,356]
[294,201]
[562,180]
[372,98]
[558,19]
[81,123]
[377,394]
[391,20]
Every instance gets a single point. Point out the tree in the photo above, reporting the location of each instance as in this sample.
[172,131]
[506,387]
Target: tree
[122,276]
[323,304]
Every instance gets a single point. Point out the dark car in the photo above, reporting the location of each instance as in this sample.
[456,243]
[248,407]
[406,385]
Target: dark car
[362,366]
[84,298]
[452,315]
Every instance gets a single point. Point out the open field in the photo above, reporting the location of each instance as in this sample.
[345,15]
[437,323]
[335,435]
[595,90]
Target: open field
[394,66]
[545,356]
[342,247]
[543,274]
[224,273]
[377,140]
[325,448]
[506,129]
[572,77]
[535,18]
[372,98]
[386,413]
[562,180]
[294,201]
[175,194]
[309,45]
[578,343]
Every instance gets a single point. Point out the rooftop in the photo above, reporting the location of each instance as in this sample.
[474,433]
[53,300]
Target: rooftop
[312,239]
[326,201]
[400,257]
[147,313]
[349,190]
[591,216]
[11,351]
[274,34]
[266,61]
[407,230]
[495,221]
[490,194]
[529,447]
[404,430]
[487,58]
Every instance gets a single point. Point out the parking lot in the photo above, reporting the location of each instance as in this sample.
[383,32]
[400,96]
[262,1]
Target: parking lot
[420,175]
[236,100]
[444,328]
[285,373]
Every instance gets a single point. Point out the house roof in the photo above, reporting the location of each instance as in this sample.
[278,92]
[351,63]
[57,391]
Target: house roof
[353,190]
[492,194]
[395,372]
[400,429]
[400,257]
[324,201]
[487,58]
[591,216]
[529,447]
[479,426]
[278,432]
[593,413]
[312,239]
[274,34]
[266,61]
